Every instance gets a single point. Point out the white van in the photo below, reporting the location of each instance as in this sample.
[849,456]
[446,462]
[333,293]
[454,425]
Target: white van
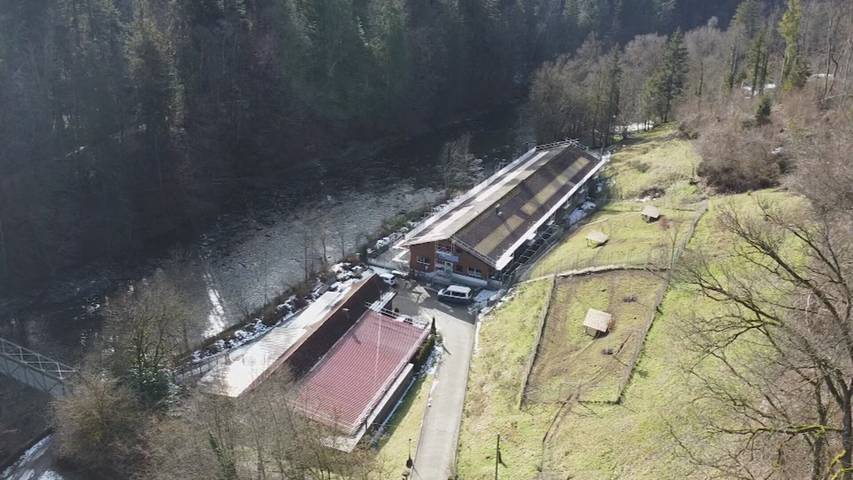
[456,294]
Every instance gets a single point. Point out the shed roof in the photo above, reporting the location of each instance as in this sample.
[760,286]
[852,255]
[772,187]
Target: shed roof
[597,320]
[598,237]
[651,211]
[496,216]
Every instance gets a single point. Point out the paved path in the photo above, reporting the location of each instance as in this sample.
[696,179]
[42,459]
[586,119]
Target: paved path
[436,451]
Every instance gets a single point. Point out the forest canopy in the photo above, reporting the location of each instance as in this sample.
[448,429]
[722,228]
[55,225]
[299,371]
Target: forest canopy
[113,110]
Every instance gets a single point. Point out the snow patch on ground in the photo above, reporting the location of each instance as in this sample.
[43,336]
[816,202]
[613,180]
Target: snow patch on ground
[33,464]
[431,364]
[581,212]
[216,317]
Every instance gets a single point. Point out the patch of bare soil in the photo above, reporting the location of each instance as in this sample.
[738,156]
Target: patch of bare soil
[572,362]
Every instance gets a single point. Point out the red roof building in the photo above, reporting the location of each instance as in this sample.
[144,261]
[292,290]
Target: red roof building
[359,372]
[297,344]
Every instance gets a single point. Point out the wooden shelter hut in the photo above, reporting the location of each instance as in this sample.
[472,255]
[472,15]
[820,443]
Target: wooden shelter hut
[650,213]
[596,238]
[597,323]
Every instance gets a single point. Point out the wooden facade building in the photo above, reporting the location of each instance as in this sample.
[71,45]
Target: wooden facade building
[477,237]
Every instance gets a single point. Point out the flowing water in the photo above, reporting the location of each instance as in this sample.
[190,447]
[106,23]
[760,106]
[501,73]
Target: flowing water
[249,256]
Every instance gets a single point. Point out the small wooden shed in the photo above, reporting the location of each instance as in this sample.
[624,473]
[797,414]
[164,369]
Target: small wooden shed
[597,323]
[596,238]
[650,213]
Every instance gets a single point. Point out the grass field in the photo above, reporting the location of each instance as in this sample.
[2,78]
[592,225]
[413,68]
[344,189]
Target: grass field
[651,160]
[591,442]
[505,341]
[656,160]
[632,240]
[633,439]
[570,361]
[393,448]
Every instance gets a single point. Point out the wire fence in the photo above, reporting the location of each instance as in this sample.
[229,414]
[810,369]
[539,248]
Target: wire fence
[537,341]
[602,264]
[654,261]
[192,370]
[678,251]
[573,396]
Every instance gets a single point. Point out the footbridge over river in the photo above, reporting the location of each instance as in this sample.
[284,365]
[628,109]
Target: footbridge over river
[34,369]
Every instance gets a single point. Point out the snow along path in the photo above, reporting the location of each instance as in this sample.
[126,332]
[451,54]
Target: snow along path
[35,463]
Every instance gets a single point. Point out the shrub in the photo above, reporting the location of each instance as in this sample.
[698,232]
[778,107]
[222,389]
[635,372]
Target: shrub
[737,160]
[762,110]
[99,426]
[639,166]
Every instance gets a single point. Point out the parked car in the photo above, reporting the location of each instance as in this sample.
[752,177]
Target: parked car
[456,294]
[389,279]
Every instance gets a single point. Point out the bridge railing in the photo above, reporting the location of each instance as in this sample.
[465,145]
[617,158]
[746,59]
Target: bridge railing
[34,369]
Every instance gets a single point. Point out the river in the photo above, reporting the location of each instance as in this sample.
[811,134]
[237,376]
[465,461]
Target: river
[248,255]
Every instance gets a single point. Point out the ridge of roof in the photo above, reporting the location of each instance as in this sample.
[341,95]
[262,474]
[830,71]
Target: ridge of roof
[488,190]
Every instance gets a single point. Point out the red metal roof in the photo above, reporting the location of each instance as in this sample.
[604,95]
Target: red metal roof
[345,386]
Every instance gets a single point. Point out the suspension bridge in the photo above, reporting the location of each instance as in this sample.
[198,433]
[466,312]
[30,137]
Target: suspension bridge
[34,369]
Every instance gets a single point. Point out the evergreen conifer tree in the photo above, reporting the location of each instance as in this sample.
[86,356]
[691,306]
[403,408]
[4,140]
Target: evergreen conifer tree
[667,83]
[758,57]
[795,70]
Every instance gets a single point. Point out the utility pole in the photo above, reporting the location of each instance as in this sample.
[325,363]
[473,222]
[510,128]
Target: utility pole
[497,456]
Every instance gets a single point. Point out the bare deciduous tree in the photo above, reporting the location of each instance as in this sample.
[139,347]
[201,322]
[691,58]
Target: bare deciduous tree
[787,291]
[99,426]
[707,62]
[261,437]
[642,57]
[736,158]
[4,256]
[144,332]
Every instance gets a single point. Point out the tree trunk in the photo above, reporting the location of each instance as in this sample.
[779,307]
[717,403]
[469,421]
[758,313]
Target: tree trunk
[819,447]
[847,436]
[4,258]
[323,237]
[701,88]
[305,257]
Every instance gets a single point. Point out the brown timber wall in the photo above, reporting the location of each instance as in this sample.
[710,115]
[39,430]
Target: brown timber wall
[315,345]
[422,250]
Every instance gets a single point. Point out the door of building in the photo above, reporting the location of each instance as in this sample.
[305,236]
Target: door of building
[447,267]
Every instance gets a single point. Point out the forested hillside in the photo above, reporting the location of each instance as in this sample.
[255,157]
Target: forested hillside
[124,121]
[723,285]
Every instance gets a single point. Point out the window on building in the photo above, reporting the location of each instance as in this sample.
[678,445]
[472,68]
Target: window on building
[424,261]
[475,272]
